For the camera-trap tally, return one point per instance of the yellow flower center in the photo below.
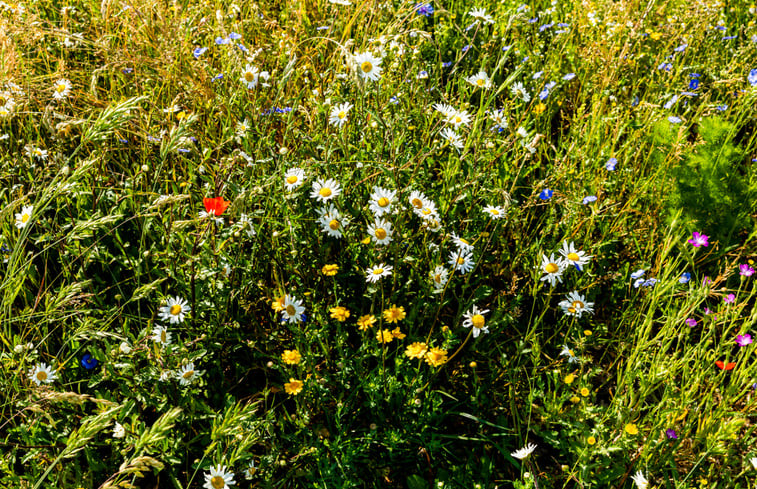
(248, 77)
(383, 202)
(438, 278)
(573, 257)
(458, 119)
(578, 305)
(217, 482)
(426, 211)
(163, 336)
(378, 271)
(478, 321)
(188, 375)
(480, 82)
(367, 67)
(417, 203)
(42, 376)
(551, 268)
(24, 218)
(572, 310)
(342, 114)
(291, 310)
(175, 310)
(292, 179)
(325, 192)
(60, 88)
(334, 224)
(380, 233)
(494, 212)
(460, 260)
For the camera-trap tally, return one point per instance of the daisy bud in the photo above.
(145, 168)
(283, 150)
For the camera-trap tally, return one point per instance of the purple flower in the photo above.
(745, 270)
(693, 84)
(691, 322)
(698, 240)
(671, 434)
(221, 40)
(681, 48)
(569, 76)
(424, 9)
(752, 78)
(721, 108)
(546, 194)
(198, 52)
(588, 199)
(610, 165)
(744, 339)
(649, 282)
(685, 277)
(234, 36)
(674, 119)
(665, 66)
(638, 274)
(729, 299)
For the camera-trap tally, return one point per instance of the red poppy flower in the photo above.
(725, 366)
(215, 206)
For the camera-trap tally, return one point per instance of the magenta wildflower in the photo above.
(698, 240)
(744, 339)
(671, 434)
(691, 322)
(745, 270)
(729, 299)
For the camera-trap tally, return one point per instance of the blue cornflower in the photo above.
(665, 66)
(681, 48)
(720, 28)
(88, 361)
(394, 99)
(563, 24)
(546, 194)
(221, 40)
(635, 101)
(126, 71)
(649, 282)
(322, 28)
(752, 78)
(722, 108)
(670, 102)
(610, 165)
(198, 52)
(685, 277)
(588, 199)
(569, 76)
(534, 20)
(537, 75)
(544, 27)
(243, 48)
(217, 77)
(689, 94)
(424, 9)
(466, 47)
(234, 36)
(694, 75)
(507, 48)
(638, 274)
(728, 38)
(674, 119)
(446, 64)
(693, 83)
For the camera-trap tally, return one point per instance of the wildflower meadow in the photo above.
(383, 244)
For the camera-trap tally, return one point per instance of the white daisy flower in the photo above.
(293, 309)
(374, 273)
(640, 481)
(381, 201)
(753, 461)
(187, 374)
(499, 118)
(36, 152)
(567, 352)
(338, 114)
(461, 261)
(571, 256)
(495, 212)
(434, 224)
(246, 224)
(249, 472)
(251, 76)
(381, 231)
(452, 138)
(218, 478)
(439, 277)
(293, 178)
(552, 268)
(461, 244)
(61, 89)
(42, 374)
(427, 212)
(175, 310)
(417, 200)
(325, 190)
(367, 65)
(475, 317)
(480, 80)
(481, 16)
(23, 217)
(332, 222)
(524, 452)
(459, 118)
(575, 305)
(161, 335)
(118, 430)
(519, 91)
(447, 111)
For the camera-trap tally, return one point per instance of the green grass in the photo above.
(150, 129)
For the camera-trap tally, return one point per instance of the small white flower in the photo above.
(552, 269)
(481, 16)
(452, 138)
(524, 452)
(640, 481)
(374, 273)
(574, 257)
(161, 335)
(575, 305)
(381, 201)
(338, 114)
(480, 80)
(325, 190)
(294, 178)
(118, 430)
(293, 309)
(331, 221)
(475, 318)
(42, 374)
(174, 310)
(495, 212)
(458, 118)
(187, 374)
(519, 91)
(461, 261)
(367, 65)
(381, 231)
(439, 277)
(22, 218)
(567, 352)
(218, 478)
(61, 89)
